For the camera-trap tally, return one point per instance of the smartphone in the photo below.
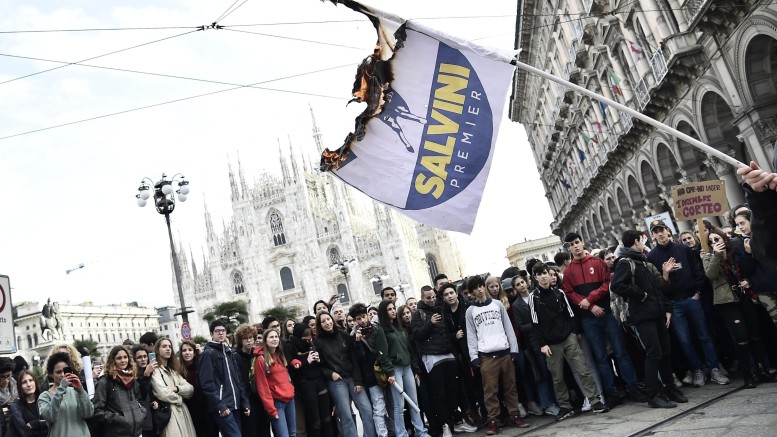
(151, 357)
(67, 370)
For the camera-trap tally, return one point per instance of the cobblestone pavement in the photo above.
(751, 413)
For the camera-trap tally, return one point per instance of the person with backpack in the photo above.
(274, 385)
(117, 400)
(308, 380)
(258, 423)
(644, 307)
(220, 381)
(365, 353)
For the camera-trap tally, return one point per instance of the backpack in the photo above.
(618, 304)
(251, 373)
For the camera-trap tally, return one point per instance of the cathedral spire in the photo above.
(232, 184)
(208, 221)
(294, 169)
(241, 174)
(284, 166)
(316, 132)
(194, 264)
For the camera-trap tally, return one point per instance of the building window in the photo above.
(99, 338)
(276, 227)
(237, 282)
(35, 338)
(431, 261)
(342, 293)
(377, 287)
(287, 279)
(334, 256)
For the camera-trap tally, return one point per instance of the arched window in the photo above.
(431, 262)
(276, 227)
(237, 283)
(35, 339)
(29, 341)
(287, 279)
(334, 256)
(342, 293)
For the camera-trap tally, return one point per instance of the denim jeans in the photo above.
(342, 392)
(379, 410)
(406, 382)
(229, 426)
(599, 331)
(286, 423)
(687, 314)
(544, 387)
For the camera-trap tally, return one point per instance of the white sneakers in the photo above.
(446, 431)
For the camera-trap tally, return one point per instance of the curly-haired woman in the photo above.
(117, 399)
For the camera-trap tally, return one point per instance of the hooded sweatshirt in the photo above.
(489, 331)
(272, 382)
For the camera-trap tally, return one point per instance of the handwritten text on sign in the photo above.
(699, 199)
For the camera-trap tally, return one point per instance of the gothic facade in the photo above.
(288, 230)
(705, 68)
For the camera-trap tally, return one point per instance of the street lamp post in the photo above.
(343, 266)
(164, 201)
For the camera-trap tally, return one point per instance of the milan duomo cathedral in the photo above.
(288, 231)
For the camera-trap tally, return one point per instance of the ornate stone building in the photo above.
(541, 248)
(108, 325)
(285, 234)
(707, 68)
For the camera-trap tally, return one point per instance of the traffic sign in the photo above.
(186, 331)
(7, 339)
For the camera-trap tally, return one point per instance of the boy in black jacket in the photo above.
(553, 335)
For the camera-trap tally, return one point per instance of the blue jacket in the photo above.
(686, 281)
(219, 378)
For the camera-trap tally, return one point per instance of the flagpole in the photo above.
(674, 132)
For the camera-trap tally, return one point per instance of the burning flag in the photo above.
(425, 141)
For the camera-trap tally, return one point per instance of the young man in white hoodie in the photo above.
(492, 347)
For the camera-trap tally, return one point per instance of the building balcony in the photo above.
(693, 10)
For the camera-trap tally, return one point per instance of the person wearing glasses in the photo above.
(733, 300)
(219, 376)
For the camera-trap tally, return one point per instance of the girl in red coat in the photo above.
(274, 385)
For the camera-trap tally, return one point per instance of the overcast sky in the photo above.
(68, 192)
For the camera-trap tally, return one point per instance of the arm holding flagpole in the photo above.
(657, 124)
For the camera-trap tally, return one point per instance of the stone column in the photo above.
(724, 171)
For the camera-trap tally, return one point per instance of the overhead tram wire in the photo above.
(98, 29)
(124, 70)
(224, 17)
(294, 39)
(103, 55)
(253, 85)
(227, 10)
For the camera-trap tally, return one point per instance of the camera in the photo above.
(67, 370)
(151, 357)
(367, 330)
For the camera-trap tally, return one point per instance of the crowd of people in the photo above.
(587, 331)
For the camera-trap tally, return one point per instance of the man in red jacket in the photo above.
(587, 286)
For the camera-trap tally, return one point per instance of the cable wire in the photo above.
(294, 39)
(233, 10)
(227, 10)
(100, 56)
(253, 85)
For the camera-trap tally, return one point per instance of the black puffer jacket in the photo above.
(299, 349)
(457, 322)
(763, 207)
(647, 279)
(118, 407)
(431, 338)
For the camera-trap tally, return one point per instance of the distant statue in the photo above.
(50, 321)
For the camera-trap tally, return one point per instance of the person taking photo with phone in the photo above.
(65, 406)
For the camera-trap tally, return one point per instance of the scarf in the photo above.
(126, 377)
(8, 394)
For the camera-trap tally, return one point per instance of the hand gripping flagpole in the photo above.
(407, 398)
(674, 132)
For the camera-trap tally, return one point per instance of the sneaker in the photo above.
(722, 369)
(522, 411)
(586, 405)
(599, 408)
(564, 413)
(464, 427)
(518, 422)
(493, 428)
(638, 395)
(718, 377)
(675, 395)
(677, 382)
(446, 431)
(534, 409)
(475, 418)
(688, 380)
(698, 378)
(552, 410)
(661, 401)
